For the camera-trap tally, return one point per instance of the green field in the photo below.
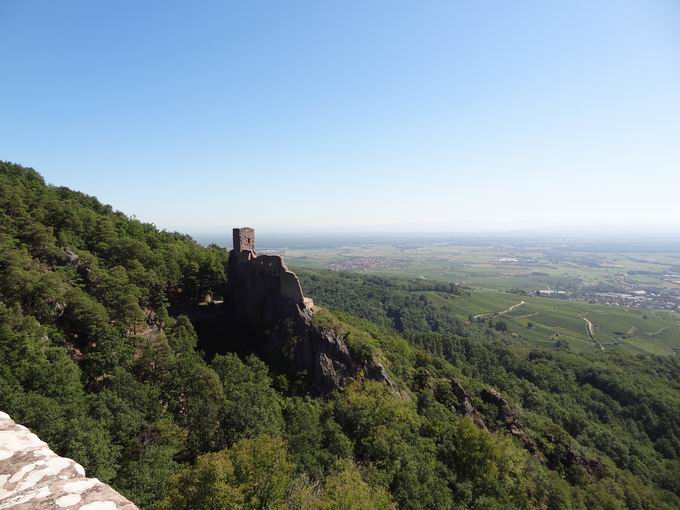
(636, 331)
(500, 275)
(502, 267)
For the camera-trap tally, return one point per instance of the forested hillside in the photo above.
(98, 360)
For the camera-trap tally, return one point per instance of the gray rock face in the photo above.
(34, 477)
(325, 357)
(509, 419)
(465, 406)
(330, 360)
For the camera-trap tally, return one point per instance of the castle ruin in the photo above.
(261, 284)
(268, 314)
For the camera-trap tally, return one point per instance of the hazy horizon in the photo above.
(268, 238)
(480, 117)
(462, 227)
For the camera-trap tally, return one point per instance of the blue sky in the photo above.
(202, 115)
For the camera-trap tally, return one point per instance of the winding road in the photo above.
(590, 327)
(496, 314)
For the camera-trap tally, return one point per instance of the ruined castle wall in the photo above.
(266, 276)
(289, 285)
(261, 290)
(291, 288)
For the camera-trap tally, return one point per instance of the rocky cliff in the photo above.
(33, 477)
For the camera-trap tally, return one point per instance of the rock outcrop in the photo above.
(592, 466)
(266, 304)
(465, 406)
(452, 394)
(320, 355)
(508, 419)
(34, 477)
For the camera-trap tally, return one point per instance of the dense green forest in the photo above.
(98, 356)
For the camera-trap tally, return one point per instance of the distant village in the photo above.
(654, 298)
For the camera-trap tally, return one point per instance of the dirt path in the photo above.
(496, 314)
(590, 328)
(513, 307)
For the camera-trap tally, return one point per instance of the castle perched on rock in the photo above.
(267, 313)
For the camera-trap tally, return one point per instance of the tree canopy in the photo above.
(99, 357)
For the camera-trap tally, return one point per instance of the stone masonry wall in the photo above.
(34, 477)
(244, 239)
(261, 287)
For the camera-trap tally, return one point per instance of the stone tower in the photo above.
(244, 239)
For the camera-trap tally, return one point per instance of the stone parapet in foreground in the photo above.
(33, 477)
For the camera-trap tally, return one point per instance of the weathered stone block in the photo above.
(33, 476)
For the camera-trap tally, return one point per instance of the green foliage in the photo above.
(78, 282)
(99, 358)
(315, 440)
(252, 474)
(251, 406)
(262, 471)
(207, 485)
(256, 474)
(399, 304)
(345, 489)
(196, 399)
(610, 407)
